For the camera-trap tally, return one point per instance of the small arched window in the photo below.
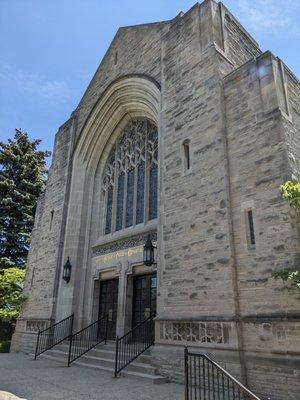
(130, 177)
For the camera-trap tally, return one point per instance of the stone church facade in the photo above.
(185, 132)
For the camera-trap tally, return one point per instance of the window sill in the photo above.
(126, 233)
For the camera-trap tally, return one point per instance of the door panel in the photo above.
(144, 298)
(109, 305)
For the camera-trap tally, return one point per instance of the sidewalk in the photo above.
(47, 380)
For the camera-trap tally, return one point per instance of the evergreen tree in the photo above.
(22, 180)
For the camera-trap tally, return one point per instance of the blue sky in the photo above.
(50, 49)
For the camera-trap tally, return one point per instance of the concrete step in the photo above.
(102, 357)
(52, 357)
(104, 351)
(107, 353)
(109, 346)
(135, 366)
(58, 354)
(139, 365)
(147, 377)
(124, 373)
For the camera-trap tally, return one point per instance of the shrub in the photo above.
(4, 346)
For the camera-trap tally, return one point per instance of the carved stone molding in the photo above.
(128, 268)
(116, 270)
(119, 268)
(124, 243)
(200, 333)
(36, 325)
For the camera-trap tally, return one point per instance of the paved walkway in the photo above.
(48, 380)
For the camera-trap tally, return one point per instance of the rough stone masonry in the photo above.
(228, 123)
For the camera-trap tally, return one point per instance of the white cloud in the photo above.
(33, 84)
(268, 15)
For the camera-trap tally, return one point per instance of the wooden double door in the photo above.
(144, 298)
(109, 305)
(143, 301)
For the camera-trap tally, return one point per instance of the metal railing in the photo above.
(53, 335)
(207, 380)
(87, 338)
(134, 343)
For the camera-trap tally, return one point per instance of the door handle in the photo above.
(110, 314)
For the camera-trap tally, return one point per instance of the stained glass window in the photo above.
(153, 192)
(131, 170)
(130, 197)
(140, 193)
(109, 203)
(120, 200)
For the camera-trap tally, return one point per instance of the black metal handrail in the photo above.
(134, 343)
(87, 338)
(205, 380)
(53, 335)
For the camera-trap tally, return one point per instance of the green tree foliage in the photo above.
(11, 285)
(289, 275)
(291, 193)
(22, 180)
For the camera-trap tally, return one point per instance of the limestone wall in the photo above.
(134, 50)
(291, 119)
(196, 288)
(258, 162)
(45, 248)
(195, 277)
(239, 45)
(258, 166)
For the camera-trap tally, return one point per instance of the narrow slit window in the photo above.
(186, 152)
(51, 219)
(251, 237)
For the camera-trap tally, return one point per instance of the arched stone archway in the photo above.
(127, 98)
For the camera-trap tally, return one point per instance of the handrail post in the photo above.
(116, 359)
(186, 374)
(106, 329)
(37, 345)
(70, 349)
(71, 326)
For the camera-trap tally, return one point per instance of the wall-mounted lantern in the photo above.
(148, 256)
(67, 271)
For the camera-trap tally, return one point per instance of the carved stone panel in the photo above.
(195, 332)
(35, 325)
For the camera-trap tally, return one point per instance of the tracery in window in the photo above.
(131, 176)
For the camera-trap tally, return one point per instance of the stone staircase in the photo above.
(102, 357)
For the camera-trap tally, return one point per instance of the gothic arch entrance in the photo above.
(125, 100)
